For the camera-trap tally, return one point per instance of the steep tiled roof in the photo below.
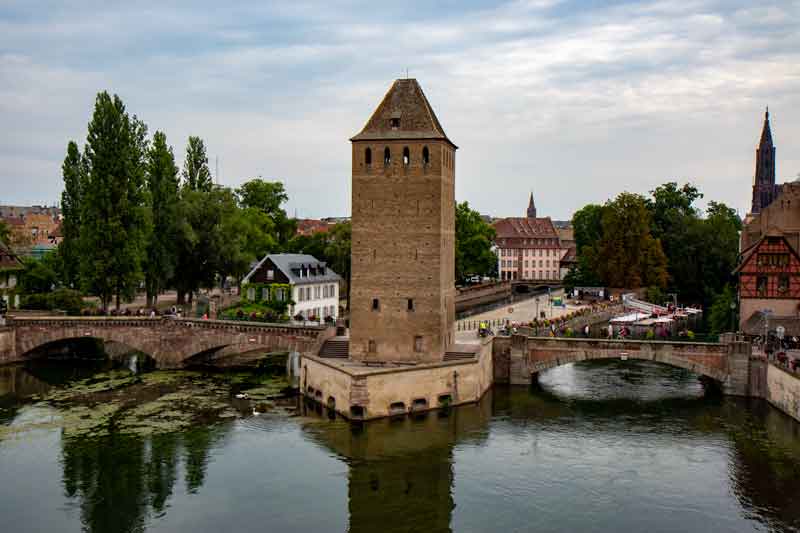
(292, 264)
(571, 256)
(525, 227)
(406, 106)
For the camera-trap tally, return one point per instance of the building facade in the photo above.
(10, 268)
(403, 223)
(769, 268)
(529, 248)
(309, 287)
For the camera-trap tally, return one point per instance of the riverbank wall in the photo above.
(362, 392)
(480, 295)
(8, 343)
(783, 390)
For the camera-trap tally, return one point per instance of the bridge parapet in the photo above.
(531, 355)
(170, 341)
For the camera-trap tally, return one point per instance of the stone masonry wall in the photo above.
(783, 391)
(402, 249)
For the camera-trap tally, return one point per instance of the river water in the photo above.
(599, 446)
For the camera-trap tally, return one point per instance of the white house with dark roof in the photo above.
(313, 285)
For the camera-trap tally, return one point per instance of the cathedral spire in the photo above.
(531, 207)
(764, 188)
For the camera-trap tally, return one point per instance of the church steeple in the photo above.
(531, 208)
(764, 188)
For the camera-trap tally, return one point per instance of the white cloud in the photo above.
(573, 103)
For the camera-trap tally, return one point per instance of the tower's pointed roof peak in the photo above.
(404, 113)
(766, 132)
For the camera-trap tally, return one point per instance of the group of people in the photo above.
(173, 311)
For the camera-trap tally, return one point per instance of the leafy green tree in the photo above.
(627, 255)
(112, 217)
(337, 251)
(5, 232)
(722, 316)
(269, 197)
(73, 172)
(246, 237)
(587, 225)
(473, 244)
(196, 175)
(162, 186)
(266, 196)
(209, 243)
(40, 276)
(313, 244)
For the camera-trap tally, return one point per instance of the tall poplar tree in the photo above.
(196, 175)
(71, 206)
(113, 221)
(162, 186)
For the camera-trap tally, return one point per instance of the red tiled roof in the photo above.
(571, 256)
(525, 227)
(309, 226)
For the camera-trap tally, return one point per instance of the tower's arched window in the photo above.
(406, 156)
(368, 156)
(426, 156)
(387, 156)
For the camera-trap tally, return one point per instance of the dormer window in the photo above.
(395, 123)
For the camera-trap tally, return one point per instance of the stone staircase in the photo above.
(463, 352)
(336, 348)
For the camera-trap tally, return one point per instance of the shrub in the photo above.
(67, 300)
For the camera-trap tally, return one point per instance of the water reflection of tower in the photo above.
(401, 471)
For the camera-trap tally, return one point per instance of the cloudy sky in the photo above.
(573, 100)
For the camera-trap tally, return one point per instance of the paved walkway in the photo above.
(524, 311)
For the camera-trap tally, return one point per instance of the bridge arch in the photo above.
(527, 356)
(665, 359)
(29, 345)
(170, 342)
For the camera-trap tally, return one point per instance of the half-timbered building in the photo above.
(769, 279)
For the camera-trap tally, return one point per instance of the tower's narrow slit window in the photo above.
(418, 343)
(410, 304)
(376, 304)
(387, 156)
(426, 156)
(368, 156)
(406, 156)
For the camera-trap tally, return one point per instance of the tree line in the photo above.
(133, 219)
(662, 242)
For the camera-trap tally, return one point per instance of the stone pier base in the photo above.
(363, 392)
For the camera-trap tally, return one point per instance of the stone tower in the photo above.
(764, 188)
(403, 257)
(531, 208)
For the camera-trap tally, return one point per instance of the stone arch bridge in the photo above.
(518, 359)
(171, 342)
